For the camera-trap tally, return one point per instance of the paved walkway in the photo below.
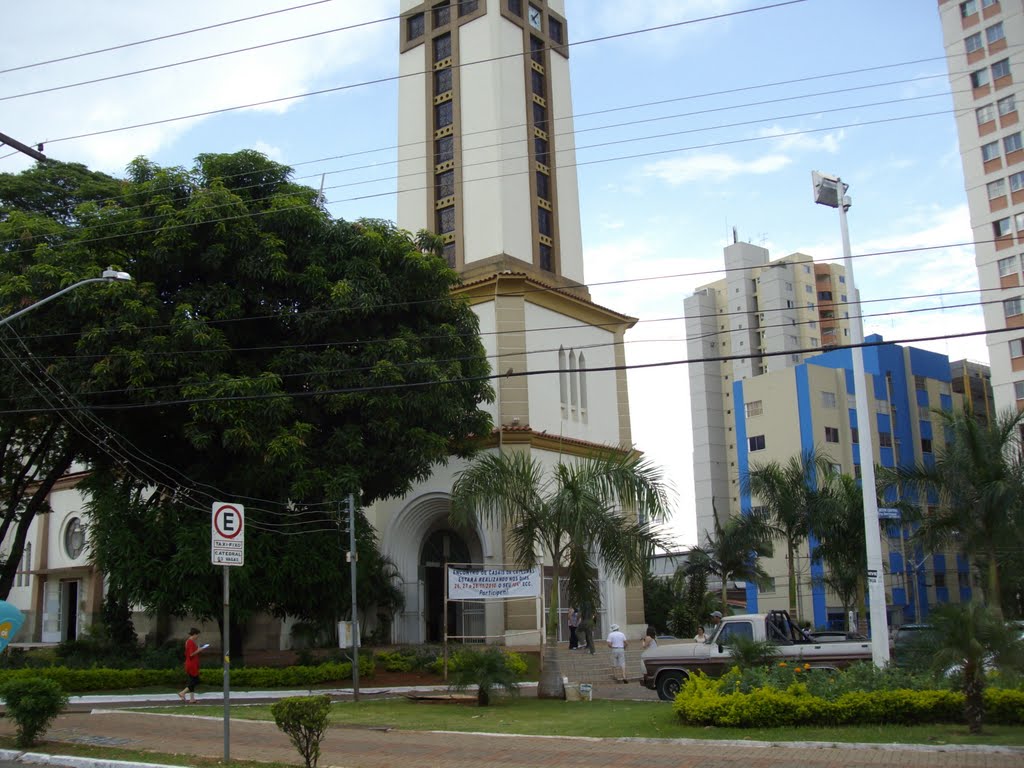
(382, 748)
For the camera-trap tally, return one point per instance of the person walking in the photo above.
(574, 623)
(618, 643)
(587, 627)
(650, 637)
(192, 651)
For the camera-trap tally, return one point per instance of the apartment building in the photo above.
(984, 42)
(761, 318)
(811, 405)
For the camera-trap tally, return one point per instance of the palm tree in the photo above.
(979, 479)
(733, 551)
(968, 638)
(838, 524)
(603, 508)
(486, 669)
(788, 494)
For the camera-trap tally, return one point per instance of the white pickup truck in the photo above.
(667, 665)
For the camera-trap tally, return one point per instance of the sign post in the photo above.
(227, 548)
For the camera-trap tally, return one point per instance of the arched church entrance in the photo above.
(442, 547)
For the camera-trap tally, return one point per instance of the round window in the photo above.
(74, 538)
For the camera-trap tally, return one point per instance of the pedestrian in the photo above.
(700, 637)
(192, 651)
(574, 623)
(587, 628)
(716, 619)
(650, 637)
(618, 643)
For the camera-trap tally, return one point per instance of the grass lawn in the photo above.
(609, 719)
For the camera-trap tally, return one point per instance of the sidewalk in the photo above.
(384, 748)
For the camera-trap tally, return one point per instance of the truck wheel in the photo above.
(669, 685)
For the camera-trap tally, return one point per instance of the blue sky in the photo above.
(659, 208)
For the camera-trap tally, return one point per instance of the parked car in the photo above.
(907, 642)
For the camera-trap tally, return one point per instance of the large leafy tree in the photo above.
(838, 523)
(978, 480)
(265, 354)
(733, 552)
(599, 510)
(788, 493)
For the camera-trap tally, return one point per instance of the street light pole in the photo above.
(109, 276)
(831, 191)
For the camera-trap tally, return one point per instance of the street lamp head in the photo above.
(826, 190)
(115, 276)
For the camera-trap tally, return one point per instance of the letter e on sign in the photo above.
(227, 534)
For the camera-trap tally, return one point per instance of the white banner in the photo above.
(492, 585)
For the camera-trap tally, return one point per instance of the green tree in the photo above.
(965, 639)
(601, 509)
(838, 524)
(978, 480)
(487, 670)
(789, 495)
(265, 354)
(733, 552)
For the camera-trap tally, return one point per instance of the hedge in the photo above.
(99, 679)
(701, 702)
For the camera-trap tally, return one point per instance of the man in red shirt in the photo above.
(192, 651)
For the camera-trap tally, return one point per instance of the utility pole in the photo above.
(35, 154)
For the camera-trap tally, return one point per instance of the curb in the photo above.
(68, 761)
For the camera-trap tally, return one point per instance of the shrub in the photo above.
(487, 669)
(395, 661)
(33, 703)
(304, 719)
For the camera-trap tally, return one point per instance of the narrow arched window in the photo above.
(563, 377)
(573, 391)
(582, 366)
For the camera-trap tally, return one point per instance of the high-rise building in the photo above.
(984, 42)
(811, 406)
(761, 315)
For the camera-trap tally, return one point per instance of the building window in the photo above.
(540, 150)
(920, 382)
(831, 435)
(544, 251)
(1016, 181)
(444, 149)
(979, 78)
(74, 538)
(1017, 348)
(940, 579)
(449, 254)
(442, 81)
(1001, 69)
(543, 185)
(990, 151)
(516, 7)
(923, 413)
(926, 445)
(445, 185)
(767, 587)
(885, 439)
(415, 26)
(446, 220)
(988, 3)
(755, 443)
(985, 114)
(824, 295)
(969, 8)
(581, 370)
(540, 117)
(544, 221)
(963, 579)
(537, 50)
(467, 7)
(994, 33)
(754, 408)
(442, 46)
(996, 188)
(1007, 105)
(1013, 307)
(1001, 227)
(537, 82)
(828, 399)
(442, 14)
(24, 578)
(973, 42)
(1012, 143)
(555, 30)
(1018, 390)
(443, 115)
(572, 380)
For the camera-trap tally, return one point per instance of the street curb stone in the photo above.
(69, 761)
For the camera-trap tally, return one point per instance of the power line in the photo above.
(163, 37)
(396, 78)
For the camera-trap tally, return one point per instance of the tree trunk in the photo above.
(550, 684)
(974, 704)
(994, 588)
(794, 609)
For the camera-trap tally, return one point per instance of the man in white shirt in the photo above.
(618, 643)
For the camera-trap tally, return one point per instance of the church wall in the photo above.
(569, 227)
(414, 165)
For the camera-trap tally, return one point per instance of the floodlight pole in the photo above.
(872, 537)
(109, 276)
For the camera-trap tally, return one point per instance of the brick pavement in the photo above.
(381, 748)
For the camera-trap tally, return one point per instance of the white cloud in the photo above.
(712, 167)
(804, 142)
